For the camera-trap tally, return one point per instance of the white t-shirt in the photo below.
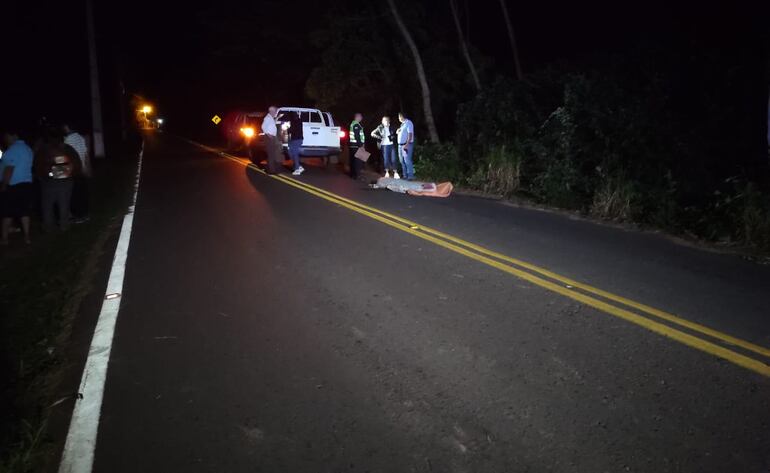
(268, 126)
(78, 143)
(386, 136)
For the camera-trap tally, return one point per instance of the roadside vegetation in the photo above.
(668, 133)
(41, 288)
(617, 141)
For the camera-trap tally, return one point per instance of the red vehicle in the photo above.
(241, 130)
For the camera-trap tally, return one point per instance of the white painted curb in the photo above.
(78, 455)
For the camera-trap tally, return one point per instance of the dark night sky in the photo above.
(161, 51)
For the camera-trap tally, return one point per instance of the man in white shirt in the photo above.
(405, 135)
(80, 202)
(272, 141)
(78, 143)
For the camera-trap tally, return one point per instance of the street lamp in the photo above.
(146, 110)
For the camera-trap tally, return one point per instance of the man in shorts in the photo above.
(16, 192)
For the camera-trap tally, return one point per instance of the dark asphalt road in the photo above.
(263, 329)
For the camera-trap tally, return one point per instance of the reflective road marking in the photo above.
(78, 454)
(697, 336)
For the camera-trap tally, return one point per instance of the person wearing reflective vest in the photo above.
(357, 140)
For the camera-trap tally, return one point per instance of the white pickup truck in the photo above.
(320, 137)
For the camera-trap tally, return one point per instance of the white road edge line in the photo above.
(78, 454)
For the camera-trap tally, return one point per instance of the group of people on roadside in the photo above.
(396, 145)
(273, 143)
(53, 172)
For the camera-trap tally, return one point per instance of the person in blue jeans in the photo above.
(296, 138)
(385, 138)
(405, 135)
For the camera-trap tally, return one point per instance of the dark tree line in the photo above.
(669, 130)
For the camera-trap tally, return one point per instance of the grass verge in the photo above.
(41, 288)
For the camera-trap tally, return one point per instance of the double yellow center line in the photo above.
(714, 342)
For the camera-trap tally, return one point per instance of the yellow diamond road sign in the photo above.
(216, 119)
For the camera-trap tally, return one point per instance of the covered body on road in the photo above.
(403, 186)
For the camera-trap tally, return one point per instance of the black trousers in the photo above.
(355, 163)
(80, 197)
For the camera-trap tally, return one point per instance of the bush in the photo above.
(615, 200)
(640, 138)
(753, 218)
(437, 162)
(502, 166)
(740, 214)
(497, 172)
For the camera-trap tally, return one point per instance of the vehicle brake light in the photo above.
(342, 134)
(248, 132)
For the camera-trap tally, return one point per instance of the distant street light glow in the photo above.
(160, 121)
(146, 109)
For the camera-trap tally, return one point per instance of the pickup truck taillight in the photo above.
(342, 133)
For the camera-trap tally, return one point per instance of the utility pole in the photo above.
(123, 126)
(97, 127)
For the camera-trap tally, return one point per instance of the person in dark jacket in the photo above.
(357, 140)
(296, 138)
(56, 165)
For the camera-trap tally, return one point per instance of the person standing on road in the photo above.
(406, 146)
(385, 139)
(272, 141)
(357, 141)
(16, 191)
(80, 194)
(55, 166)
(295, 141)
